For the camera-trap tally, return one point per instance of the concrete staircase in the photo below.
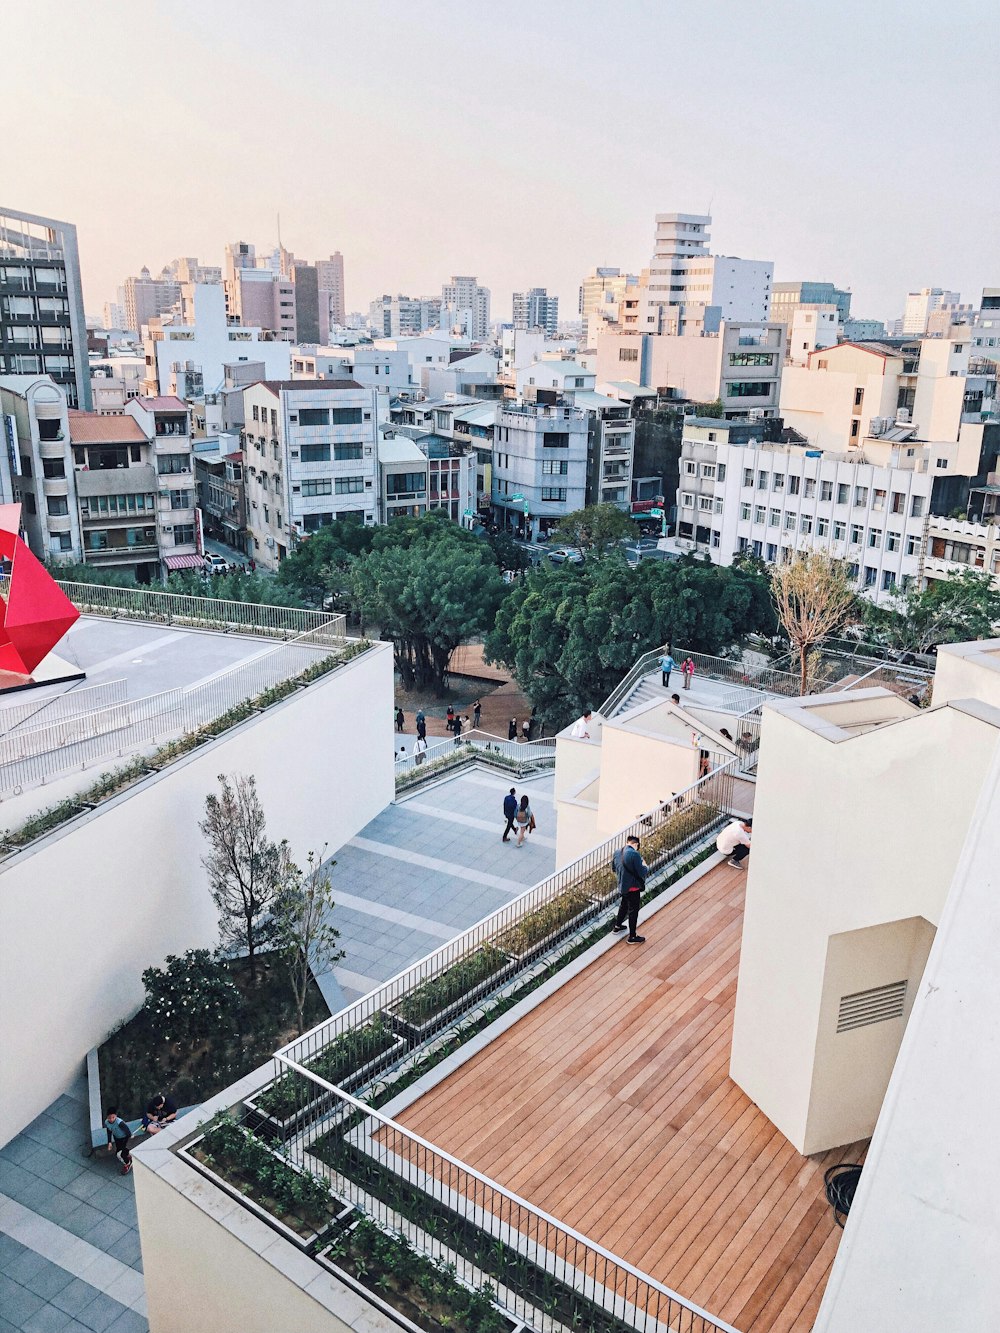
(646, 689)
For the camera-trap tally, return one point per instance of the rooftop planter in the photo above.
(431, 1003)
(537, 929)
(350, 1061)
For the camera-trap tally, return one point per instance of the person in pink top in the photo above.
(687, 667)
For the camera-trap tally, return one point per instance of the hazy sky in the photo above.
(521, 141)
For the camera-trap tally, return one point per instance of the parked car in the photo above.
(566, 555)
(215, 564)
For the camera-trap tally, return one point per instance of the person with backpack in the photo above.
(524, 819)
(119, 1134)
(632, 873)
(420, 749)
(421, 721)
(509, 811)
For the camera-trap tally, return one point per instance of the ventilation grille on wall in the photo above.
(871, 1006)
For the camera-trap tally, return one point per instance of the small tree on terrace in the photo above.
(303, 928)
(246, 870)
(813, 600)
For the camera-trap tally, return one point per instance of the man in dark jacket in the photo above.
(509, 811)
(632, 871)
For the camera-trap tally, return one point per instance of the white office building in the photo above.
(539, 466)
(309, 451)
(921, 305)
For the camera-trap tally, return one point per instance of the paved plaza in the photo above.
(418, 874)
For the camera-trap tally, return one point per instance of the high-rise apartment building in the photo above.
(330, 278)
(147, 298)
(469, 306)
(535, 309)
(309, 449)
(921, 305)
(786, 297)
(404, 316)
(43, 330)
(686, 289)
(305, 290)
(602, 290)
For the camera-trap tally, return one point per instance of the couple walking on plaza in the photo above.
(518, 815)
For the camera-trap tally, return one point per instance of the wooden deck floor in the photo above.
(610, 1107)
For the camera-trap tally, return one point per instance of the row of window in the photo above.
(327, 416)
(829, 490)
(320, 453)
(806, 525)
(869, 577)
(95, 505)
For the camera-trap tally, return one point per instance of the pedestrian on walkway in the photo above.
(420, 749)
(632, 873)
(421, 724)
(400, 719)
(734, 842)
(525, 820)
(526, 730)
(509, 811)
(118, 1137)
(512, 729)
(457, 728)
(667, 664)
(450, 719)
(675, 698)
(688, 669)
(402, 754)
(477, 712)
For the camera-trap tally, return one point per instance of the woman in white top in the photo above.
(523, 819)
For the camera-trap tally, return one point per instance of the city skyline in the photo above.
(522, 159)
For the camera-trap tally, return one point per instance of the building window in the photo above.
(62, 541)
(751, 358)
(314, 453)
(857, 532)
(759, 514)
(180, 499)
(871, 575)
(748, 389)
(53, 467)
(762, 481)
(708, 471)
(794, 485)
(810, 490)
(912, 544)
(554, 493)
(256, 412)
(875, 537)
(826, 490)
(350, 485)
(778, 481)
(171, 464)
(941, 463)
(705, 503)
(555, 467)
(690, 467)
(822, 527)
(687, 501)
(628, 354)
(317, 486)
(718, 504)
(843, 493)
(860, 496)
(748, 476)
(773, 518)
(878, 500)
(313, 522)
(898, 502)
(183, 534)
(888, 580)
(744, 511)
(789, 522)
(314, 416)
(772, 553)
(716, 539)
(805, 526)
(893, 541)
(839, 531)
(917, 506)
(56, 505)
(859, 397)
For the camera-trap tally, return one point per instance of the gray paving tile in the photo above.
(18, 1303)
(87, 1184)
(101, 1313)
(75, 1297)
(129, 1322)
(82, 1220)
(48, 1319)
(47, 1281)
(108, 1197)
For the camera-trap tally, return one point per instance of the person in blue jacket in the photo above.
(632, 872)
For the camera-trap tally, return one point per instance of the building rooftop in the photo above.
(610, 1107)
(92, 428)
(399, 449)
(278, 386)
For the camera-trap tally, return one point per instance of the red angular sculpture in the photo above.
(37, 613)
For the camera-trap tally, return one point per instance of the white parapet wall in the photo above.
(84, 910)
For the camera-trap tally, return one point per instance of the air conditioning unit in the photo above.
(756, 414)
(903, 416)
(269, 542)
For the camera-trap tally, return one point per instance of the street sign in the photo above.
(526, 511)
(470, 513)
(655, 513)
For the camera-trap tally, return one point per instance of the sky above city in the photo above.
(522, 142)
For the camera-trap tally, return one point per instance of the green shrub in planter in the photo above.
(344, 1056)
(433, 996)
(545, 920)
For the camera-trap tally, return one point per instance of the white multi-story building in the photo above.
(36, 464)
(535, 309)
(686, 289)
(404, 316)
(985, 332)
(166, 421)
(208, 343)
(741, 365)
(386, 369)
(603, 289)
(539, 465)
(868, 507)
(468, 307)
(309, 449)
(811, 328)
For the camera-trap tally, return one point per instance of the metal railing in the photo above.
(199, 612)
(547, 1274)
(737, 671)
(41, 711)
(522, 754)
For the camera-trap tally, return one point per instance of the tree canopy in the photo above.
(956, 609)
(594, 528)
(813, 600)
(570, 633)
(430, 585)
(321, 563)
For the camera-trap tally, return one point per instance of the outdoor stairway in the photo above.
(646, 689)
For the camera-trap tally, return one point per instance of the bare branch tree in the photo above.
(813, 599)
(304, 930)
(246, 870)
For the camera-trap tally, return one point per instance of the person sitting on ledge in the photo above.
(160, 1111)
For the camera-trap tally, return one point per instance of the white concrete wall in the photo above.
(640, 771)
(968, 671)
(919, 1250)
(84, 911)
(847, 835)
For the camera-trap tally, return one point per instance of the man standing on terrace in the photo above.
(632, 873)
